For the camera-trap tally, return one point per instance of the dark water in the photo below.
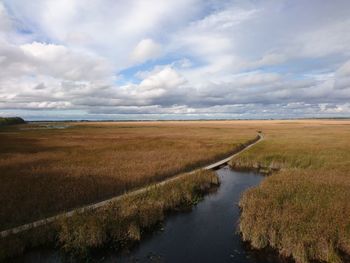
(206, 234)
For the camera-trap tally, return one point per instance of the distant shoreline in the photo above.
(188, 120)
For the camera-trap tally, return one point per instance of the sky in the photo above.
(174, 59)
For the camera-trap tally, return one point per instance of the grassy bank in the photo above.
(303, 208)
(46, 169)
(120, 224)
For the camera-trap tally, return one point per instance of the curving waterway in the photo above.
(206, 234)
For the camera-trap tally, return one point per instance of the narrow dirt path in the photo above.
(48, 220)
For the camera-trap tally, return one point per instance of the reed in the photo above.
(46, 168)
(119, 224)
(123, 222)
(303, 208)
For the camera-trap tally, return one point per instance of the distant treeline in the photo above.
(11, 121)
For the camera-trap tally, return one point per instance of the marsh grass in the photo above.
(303, 208)
(14, 245)
(123, 223)
(47, 171)
(118, 225)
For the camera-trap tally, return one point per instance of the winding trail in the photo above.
(48, 220)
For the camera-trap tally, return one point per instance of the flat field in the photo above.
(303, 210)
(46, 168)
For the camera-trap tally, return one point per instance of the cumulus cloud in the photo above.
(176, 58)
(110, 28)
(146, 49)
(61, 62)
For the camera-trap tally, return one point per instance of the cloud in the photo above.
(160, 87)
(146, 49)
(344, 70)
(109, 28)
(4, 19)
(324, 41)
(97, 59)
(60, 62)
(342, 80)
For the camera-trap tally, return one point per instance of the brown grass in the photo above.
(44, 171)
(123, 222)
(120, 224)
(303, 210)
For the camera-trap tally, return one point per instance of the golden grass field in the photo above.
(303, 210)
(44, 171)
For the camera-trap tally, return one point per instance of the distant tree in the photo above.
(11, 121)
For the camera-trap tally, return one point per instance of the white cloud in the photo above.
(146, 49)
(342, 78)
(327, 40)
(166, 78)
(344, 70)
(61, 62)
(4, 19)
(158, 85)
(110, 28)
(224, 20)
(205, 57)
